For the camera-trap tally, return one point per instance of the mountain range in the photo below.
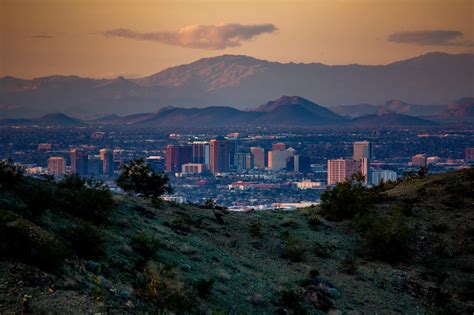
(286, 111)
(240, 82)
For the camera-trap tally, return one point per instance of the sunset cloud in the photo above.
(212, 37)
(431, 38)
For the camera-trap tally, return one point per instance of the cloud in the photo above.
(211, 37)
(431, 38)
(42, 36)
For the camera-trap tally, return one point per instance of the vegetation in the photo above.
(141, 179)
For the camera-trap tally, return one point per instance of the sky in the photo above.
(134, 38)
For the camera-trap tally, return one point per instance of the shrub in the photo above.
(345, 201)
(204, 287)
(388, 239)
(292, 299)
(145, 245)
(314, 220)
(139, 178)
(348, 265)
(294, 249)
(164, 289)
(256, 228)
(23, 241)
(86, 240)
(11, 175)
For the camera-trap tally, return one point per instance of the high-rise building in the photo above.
(107, 158)
(363, 150)
(193, 168)
(342, 169)
(418, 160)
(201, 152)
(277, 159)
(279, 146)
(301, 164)
(176, 156)
(258, 157)
(44, 147)
(95, 165)
(56, 165)
(469, 155)
(232, 151)
(157, 163)
(220, 159)
(79, 162)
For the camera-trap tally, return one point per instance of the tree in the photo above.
(139, 178)
(10, 174)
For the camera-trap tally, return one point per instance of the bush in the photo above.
(139, 178)
(388, 239)
(294, 249)
(21, 240)
(204, 287)
(164, 290)
(11, 175)
(145, 245)
(256, 228)
(345, 201)
(348, 265)
(314, 220)
(86, 240)
(292, 299)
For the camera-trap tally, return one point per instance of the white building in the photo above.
(277, 159)
(379, 176)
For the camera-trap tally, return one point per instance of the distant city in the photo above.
(241, 170)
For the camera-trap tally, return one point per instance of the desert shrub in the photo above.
(313, 273)
(314, 220)
(345, 201)
(322, 250)
(141, 179)
(256, 228)
(180, 224)
(294, 249)
(440, 228)
(164, 289)
(348, 265)
(145, 245)
(21, 240)
(11, 175)
(388, 239)
(292, 300)
(204, 287)
(87, 200)
(86, 240)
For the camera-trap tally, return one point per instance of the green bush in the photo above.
(345, 201)
(145, 245)
(204, 287)
(388, 239)
(348, 265)
(86, 240)
(23, 241)
(294, 249)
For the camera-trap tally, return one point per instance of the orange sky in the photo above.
(44, 37)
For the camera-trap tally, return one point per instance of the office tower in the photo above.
(379, 176)
(340, 170)
(56, 165)
(157, 163)
(280, 146)
(239, 160)
(95, 165)
(301, 164)
(258, 157)
(107, 158)
(418, 160)
(469, 155)
(176, 156)
(249, 161)
(277, 159)
(220, 159)
(363, 151)
(201, 152)
(79, 162)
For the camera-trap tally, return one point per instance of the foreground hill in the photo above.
(193, 259)
(240, 82)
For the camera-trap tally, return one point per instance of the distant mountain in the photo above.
(356, 110)
(461, 110)
(240, 82)
(384, 118)
(56, 119)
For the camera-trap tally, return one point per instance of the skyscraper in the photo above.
(220, 159)
(201, 152)
(279, 146)
(56, 165)
(258, 157)
(107, 159)
(277, 158)
(79, 162)
(342, 169)
(176, 156)
(469, 155)
(363, 151)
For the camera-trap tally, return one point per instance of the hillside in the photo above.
(241, 81)
(194, 259)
